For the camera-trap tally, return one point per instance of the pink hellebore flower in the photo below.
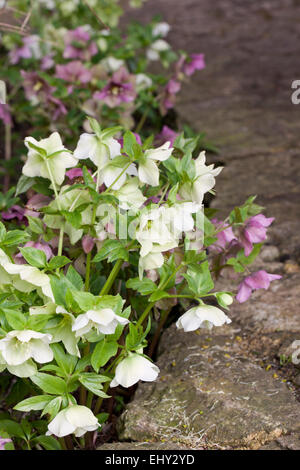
(73, 72)
(120, 89)
(255, 231)
(196, 63)
(258, 280)
(169, 95)
(78, 45)
(14, 212)
(167, 134)
(39, 246)
(3, 442)
(37, 90)
(225, 237)
(88, 244)
(30, 48)
(5, 115)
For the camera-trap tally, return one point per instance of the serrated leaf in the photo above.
(112, 250)
(34, 403)
(145, 286)
(34, 257)
(58, 262)
(49, 383)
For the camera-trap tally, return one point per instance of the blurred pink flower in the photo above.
(30, 48)
(167, 134)
(5, 115)
(73, 72)
(14, 212)
(78, 45)
(4, 441)
(196, 62)
(88, 244)
(258, 280)
(225, 237)
(39, 246)
(168, 96)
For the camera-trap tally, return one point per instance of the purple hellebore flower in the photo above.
(5, 115)
(258, 280)
(37, 90)
(76, 45)
(196, 63)
(37, 201)
(166, 135)
(255, 231)
(47, 62)
(225, 237)
(73, 72)
(75, 173)
(4, 441)
(169, 95)
(88, 244)
(39, 246)
(120, 89)
(14, 212)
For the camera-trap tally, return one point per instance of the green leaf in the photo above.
(52, 407)
(24, 183)
(144, 286)
(102, 354)
(135, 336)
(15, 237)
(16, 319)
(34, 403)
(157, 295)
(48, 442)
(94, 383)
(85, 300)
(58, 262)
(66, 362)
(74, 218)
(49, 383)
(199, 279)
(36, 225)
(74, 277)
(2, 232)
(39, 150)
(34, 257)
(112, 250)
(12, 428)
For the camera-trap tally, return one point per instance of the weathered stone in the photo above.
(284, 443)
(143, 446)
(209, 394)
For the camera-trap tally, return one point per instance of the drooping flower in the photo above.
(55, 156)
(148, 171)
(258, 280)
(130, 196)
(203, 181)
(76, 419)
(120, 89)
(19, 347)
(74, 72)
(132, 369)
(14, 212)
(104, 320)
(196, 62)
(203, 316)
(100, 151)
(225, 237)
(78, 44)
(88, 243)
(255, 231)
(41, 245)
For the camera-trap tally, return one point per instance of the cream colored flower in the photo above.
(203, 316)
(132, 369)
(75, 419)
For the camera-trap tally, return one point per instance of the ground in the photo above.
(234, 388)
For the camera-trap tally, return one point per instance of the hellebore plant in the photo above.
(115, 236)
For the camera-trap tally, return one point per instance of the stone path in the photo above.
(228, 389)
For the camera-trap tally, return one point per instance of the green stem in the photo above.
(142, 121)
(88, 271)
(111, 278)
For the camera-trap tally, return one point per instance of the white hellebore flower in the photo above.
(203, 182)
(75, 419)
(104, 320)
(161, 29)
(142, 81)
(130, 196)
(53, 158)
(148, 171)
(18, 347)
(100, 151)
(111, 64)
(25, 278)
(158, 46)
(132, 369)
(203, 316)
